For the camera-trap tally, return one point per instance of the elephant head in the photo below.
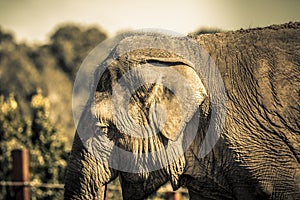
(156, 109)
(143, 99)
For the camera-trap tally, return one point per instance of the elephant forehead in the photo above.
(182, 80)
(153, 54)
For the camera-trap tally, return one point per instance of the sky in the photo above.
(35, 20)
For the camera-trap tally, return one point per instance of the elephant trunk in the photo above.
(85, 177)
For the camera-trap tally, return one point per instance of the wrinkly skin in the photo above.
(258, 153)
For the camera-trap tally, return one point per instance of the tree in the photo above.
(70, 44)
(24, 124)
(25, 67)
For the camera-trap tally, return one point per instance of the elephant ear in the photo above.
(188, 95)
(170, 95)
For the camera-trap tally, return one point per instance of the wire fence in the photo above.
(31, 184)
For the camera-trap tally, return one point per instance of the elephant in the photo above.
(253, 150)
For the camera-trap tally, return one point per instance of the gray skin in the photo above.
(258, 153)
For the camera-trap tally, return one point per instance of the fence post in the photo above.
(21, 173)
(173, 196)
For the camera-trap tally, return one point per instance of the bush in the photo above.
(47, 150)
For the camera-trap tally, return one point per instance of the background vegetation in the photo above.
(35, 103)
(47, 148)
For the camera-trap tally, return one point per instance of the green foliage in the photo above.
(70, 45)
(47, 149)
(13, 133)
(29, 124)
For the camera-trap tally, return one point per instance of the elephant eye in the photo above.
(104, 83)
